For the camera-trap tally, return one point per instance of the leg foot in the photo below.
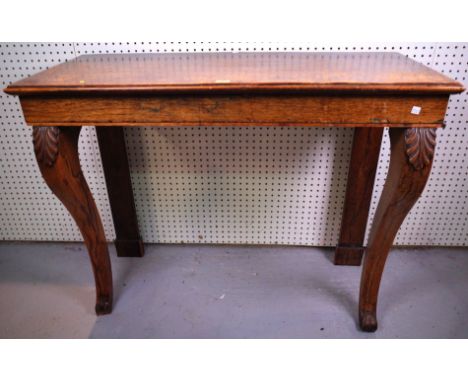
(410, 164)
(56, 151)
(103, 305)
(368, 321)
(348, 255)
(129, 248)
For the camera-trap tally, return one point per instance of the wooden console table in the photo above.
(364, 91)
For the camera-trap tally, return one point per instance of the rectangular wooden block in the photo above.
(348, 255)
(236, 110)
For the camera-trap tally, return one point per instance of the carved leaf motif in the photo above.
(46, 141)
(420, 146)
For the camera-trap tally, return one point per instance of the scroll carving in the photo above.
(46, 141)
(420, 146)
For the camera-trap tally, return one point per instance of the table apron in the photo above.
(236, 110)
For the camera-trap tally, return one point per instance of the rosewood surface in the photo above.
(365, 91)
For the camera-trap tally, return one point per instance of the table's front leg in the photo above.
(56, 151)
(411, 156)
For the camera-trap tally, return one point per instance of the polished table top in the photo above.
(264, 72)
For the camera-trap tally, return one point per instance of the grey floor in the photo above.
(193, 291)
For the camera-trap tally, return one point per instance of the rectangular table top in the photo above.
(266, 72)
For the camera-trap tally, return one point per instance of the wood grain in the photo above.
(403, 186)
(65, 178)
(361, 176)
(236, 110)
(119, 188)
(239, 72)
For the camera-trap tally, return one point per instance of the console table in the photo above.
(363, 91)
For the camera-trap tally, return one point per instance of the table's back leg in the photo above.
(410, 164)
(364, 160)
(56, 150)
(119, 187)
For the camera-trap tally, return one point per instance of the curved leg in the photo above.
(410, 164)
(57, 155)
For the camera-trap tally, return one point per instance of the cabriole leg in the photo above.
(56, 150)
(411, 156)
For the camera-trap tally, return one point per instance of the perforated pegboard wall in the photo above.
(237, 185)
